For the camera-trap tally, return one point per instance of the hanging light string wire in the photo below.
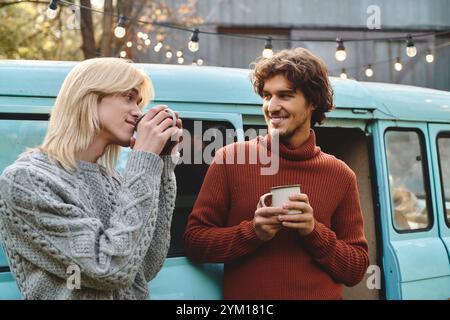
(436, 48)
(190, 30)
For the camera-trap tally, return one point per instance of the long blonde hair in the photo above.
(74, 119)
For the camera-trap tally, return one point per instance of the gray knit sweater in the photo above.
(114, 230)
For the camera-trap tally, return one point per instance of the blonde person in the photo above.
(71, 225)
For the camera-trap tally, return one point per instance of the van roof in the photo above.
(174, 83)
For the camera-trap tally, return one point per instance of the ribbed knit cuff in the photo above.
(317, 241)
(249, 234)
(170, 162)
(144, 162)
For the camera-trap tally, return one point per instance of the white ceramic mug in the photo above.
(280, 195)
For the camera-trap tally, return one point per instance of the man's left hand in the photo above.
(302, 222)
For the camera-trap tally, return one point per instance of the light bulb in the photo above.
(147, 42)
(199, 61)
(369, 71)
(129, 44)
(180, 60)
(268, 49)
(429, 57)
(193, 42)
(169, 54)
(398, 65)
(119, 31)
(340, 54)
(51, 14)
(52, 9)
(343, 74)
(193, 46)
(179, 53)
(267, 53)
(123, 54)
(411, 50)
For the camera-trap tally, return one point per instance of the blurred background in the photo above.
(402, 41)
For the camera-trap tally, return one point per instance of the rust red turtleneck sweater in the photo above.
(289, 266)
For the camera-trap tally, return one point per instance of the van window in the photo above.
(407, 171)
(17, 135)
(196, 155)
(443, 143)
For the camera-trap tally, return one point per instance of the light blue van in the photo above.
(396, 138)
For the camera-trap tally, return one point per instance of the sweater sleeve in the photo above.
(159, 246)
(342, 250)
(207, 238)
(54, 234)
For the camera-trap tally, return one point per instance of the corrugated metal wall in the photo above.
(326, 18)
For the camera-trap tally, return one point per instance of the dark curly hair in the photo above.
(305, 71)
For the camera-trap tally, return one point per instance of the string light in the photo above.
(199, 61)
(398, 65)
(123, 54)
(343, 74)
(411, 50)
(429, 57)
(180, 60)
(52, 9)
(129, 44)
(158, 47)
(193, 43)
(268, 49)
(179, 53)
(147, 42)
(340, 54)
(369, 71)
(119, 31)
(169, 54)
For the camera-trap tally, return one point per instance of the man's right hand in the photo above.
(266, 223)
(154, 130)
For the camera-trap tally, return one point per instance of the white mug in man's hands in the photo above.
(280, 195)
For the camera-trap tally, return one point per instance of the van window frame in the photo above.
(445, 135)
(179, 252)
(20, 116)
(426, 171)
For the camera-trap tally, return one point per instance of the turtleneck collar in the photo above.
(306, 151)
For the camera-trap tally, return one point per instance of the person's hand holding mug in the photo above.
(171, 146)
(303, 220)
(266, 223)
(297, 214)
(155, 129)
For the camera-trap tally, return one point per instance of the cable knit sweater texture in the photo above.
(220, 227)
(115, 229)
